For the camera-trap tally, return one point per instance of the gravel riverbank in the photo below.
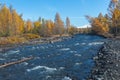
(107, 62)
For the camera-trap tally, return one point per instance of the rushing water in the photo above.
(70, 59)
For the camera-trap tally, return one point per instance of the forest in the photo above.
(14, 29)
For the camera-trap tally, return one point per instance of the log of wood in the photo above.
(16, 62)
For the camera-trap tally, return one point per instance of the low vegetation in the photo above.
(17, 39)
(12, 40)
(30, 36)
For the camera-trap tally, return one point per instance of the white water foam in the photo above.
(12, 52)
(61, 68)
(25, 63)
(95, 43)
(65, 49)
(78, 63)
(79, 55)
(83, 43)
(73, 51)
(77, 44)
(66, 78)
(33, 48)
(47, 77)
(37, 47)
(17, 51)
(42, 67)
(2, 59)
(42, 47)
(59, 45)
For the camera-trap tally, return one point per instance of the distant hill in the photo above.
(85, 26)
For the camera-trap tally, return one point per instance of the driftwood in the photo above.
(16, 62)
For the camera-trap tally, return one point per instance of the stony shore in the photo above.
(107, 62)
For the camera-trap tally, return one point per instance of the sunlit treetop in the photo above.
(115, 1)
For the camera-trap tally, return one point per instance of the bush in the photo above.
(17, 39)
(12, 40)
(30, 36)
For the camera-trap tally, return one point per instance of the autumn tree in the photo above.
(67, 24)
(43, 27)
(28, 26)
(37, 23)
(47, 28)
(42, 30)
(116, 21)
(104, 21)
(11, 23)
(99, 24)
(17, 23)
(36, 27)
(73, 30)
(114, 14)
(50, 26)
(59, 25)
(5, 20)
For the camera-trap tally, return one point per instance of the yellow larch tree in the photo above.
(29, 26)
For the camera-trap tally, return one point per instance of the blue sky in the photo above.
(74, 9)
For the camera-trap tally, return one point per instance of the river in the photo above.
(70, 59)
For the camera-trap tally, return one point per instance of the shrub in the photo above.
(30, 36)
(12, 40)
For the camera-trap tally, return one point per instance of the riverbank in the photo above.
(107, 62)
(6, 47)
